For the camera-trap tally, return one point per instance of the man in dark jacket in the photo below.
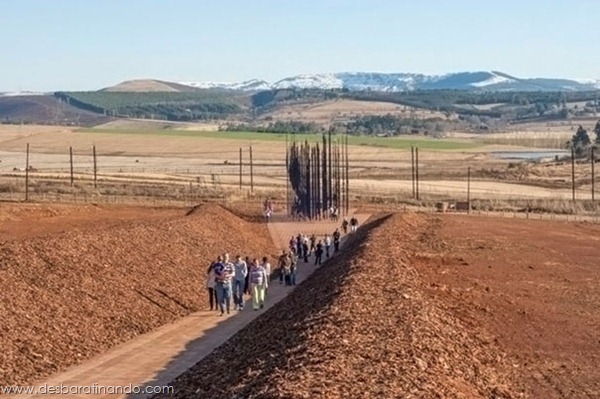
(336, 240)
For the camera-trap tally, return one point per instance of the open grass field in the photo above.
(385, 142)
(342, 109)
(172, 156)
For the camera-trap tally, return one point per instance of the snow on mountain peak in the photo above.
(398, 82)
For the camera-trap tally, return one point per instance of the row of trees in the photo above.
(581, 141)
(174, 106)
(277, 127)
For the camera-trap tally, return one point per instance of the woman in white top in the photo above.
(267, 266)
(258, 283)
(210, 285)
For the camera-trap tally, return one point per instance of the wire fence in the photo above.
(220, 175)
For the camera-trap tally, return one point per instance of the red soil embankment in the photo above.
(68, 296)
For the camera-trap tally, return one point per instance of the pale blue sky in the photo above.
(89, 44)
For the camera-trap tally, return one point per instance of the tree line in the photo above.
(173, 106)
(581, 141)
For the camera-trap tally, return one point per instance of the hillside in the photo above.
(45, 109)
(168, 105)
(148, 85)
(343, 110)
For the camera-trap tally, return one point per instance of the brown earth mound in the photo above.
(361, 327)
(534, 285)
(66, 297)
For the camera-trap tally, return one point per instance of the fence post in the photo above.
(240, 168)
(71, 163)
(27, 174)
(251, 172)
(417, 171)
(469, 189)
(573, 171)
(593, 174)
(412, 169)
(95, 168)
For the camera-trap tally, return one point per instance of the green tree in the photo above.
(580, 141)
(597, 131)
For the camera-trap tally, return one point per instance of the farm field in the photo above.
(174, 157)
(339, 110)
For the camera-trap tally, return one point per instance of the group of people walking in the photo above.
(227, 280)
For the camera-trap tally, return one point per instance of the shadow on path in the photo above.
(248, 355)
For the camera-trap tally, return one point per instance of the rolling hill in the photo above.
(149, 85)
(45, 109)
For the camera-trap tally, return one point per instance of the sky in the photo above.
(49, 45)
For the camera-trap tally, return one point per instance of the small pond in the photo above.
(530, 155)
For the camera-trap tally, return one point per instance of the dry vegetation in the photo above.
(181, 165)
(334, 111)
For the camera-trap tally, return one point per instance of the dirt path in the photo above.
(156, 358)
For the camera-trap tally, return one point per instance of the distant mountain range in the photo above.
(394, 82)
(364, 81)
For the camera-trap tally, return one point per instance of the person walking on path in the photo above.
(327, 245)
(353, 224)
(241, 271)
(210, 285)
(313, 242)
(267, 266)
(319, 253)
(247, 279)
(345, 226)
(224, 273)
(293, 243)
(259, 282)
(294, 268)
(336, 240)
(305, 248)
(299, 245)
(285, 268)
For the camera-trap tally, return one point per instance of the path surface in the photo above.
(156, 358)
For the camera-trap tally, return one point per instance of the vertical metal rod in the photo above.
(27, 174)
(324, 172)
(95, 167)
(287, 174)
(342, 176)
(251, 172)
(71, 163)
(318, 182)
(330, 201)
(241, 167)
(469, 189)
(417, 171)
(573, 171)
(337, 174)
(307, 155)
(347, 178)
(593, 174)
(412, 167)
